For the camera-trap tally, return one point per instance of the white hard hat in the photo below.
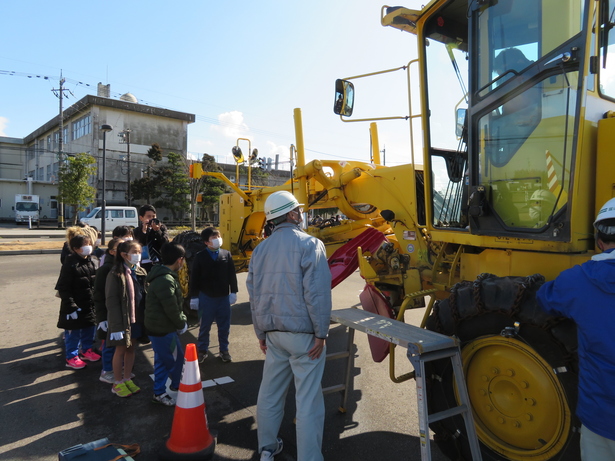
(279, 203)
(607, 212)
(543, 196)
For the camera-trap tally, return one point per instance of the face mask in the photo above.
(135, 259)
(128, 239)
(216, 243)
(97, 243)
(299, 219)
(86, 250)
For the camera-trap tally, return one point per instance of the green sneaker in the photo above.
(121, 390)
(132, 387)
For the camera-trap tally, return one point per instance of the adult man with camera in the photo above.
(151, 234)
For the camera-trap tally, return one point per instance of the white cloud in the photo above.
(272, 149)
(231, 125)
(3, 123)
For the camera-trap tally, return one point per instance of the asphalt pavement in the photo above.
(47, 407)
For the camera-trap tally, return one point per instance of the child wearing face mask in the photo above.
(77, 317)
(70, 233)
(123, 295)
(106, 375)
(213, 288)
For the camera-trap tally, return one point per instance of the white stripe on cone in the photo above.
(190, 399)
(191, 374)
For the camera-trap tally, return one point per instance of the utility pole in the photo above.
(60, 95)
(125, 138)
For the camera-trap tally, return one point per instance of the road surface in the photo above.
(47, 407)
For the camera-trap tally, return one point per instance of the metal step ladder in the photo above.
(423, 346)
(349, 356)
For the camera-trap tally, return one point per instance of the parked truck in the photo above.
(26, 208)
(524, 88)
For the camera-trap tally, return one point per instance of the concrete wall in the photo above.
(12, 151)
(9, 188)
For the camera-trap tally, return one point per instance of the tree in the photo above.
(168, 185)
(73, 187)
(207, 187)
(148, 187)
(172, 178)
(144, 189)
(259, 176)
(155, 152)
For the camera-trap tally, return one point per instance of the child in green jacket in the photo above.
(165, 320)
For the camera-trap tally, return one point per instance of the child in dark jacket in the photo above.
(165, 320)
(77, 317)
(106, 375)
(213, 289)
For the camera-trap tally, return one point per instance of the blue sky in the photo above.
(241, 67)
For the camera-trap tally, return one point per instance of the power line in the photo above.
(203, 118)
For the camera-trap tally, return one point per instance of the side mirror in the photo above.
(344, 98)
(461, 122)
(254, 156)
(237, 154)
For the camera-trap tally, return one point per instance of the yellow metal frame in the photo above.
(400, 316)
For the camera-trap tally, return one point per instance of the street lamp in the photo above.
(125, 138)
(105, 129)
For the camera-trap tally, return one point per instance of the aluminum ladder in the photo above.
(423, 346)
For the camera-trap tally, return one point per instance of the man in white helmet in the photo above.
(586, 294)
(289, 283)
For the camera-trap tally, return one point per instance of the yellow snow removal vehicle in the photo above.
(511, 119)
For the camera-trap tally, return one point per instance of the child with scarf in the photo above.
(123, 295)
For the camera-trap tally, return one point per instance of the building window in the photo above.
(48, 172)
(31, 174)
(49, 143)
(65, 135)
(82, 126)
(56, 139)
(40, 174)
(30, 153)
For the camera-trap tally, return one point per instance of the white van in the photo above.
(116, 216)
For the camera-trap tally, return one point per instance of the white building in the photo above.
(37, 155)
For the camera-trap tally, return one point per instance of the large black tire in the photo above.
(192, 243)
(520, 367)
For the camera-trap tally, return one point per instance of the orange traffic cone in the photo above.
(190, 438)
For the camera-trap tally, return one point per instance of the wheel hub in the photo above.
(519, 406)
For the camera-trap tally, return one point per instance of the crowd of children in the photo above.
(103, 296)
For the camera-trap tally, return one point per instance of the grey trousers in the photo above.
(594, 447)
(287, 357)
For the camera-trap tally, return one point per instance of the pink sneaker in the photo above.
(90, 356)
(75, 363)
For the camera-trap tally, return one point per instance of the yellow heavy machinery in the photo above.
(516, 159)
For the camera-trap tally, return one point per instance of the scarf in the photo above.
(131, 294)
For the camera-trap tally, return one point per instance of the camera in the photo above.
(154, 221)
